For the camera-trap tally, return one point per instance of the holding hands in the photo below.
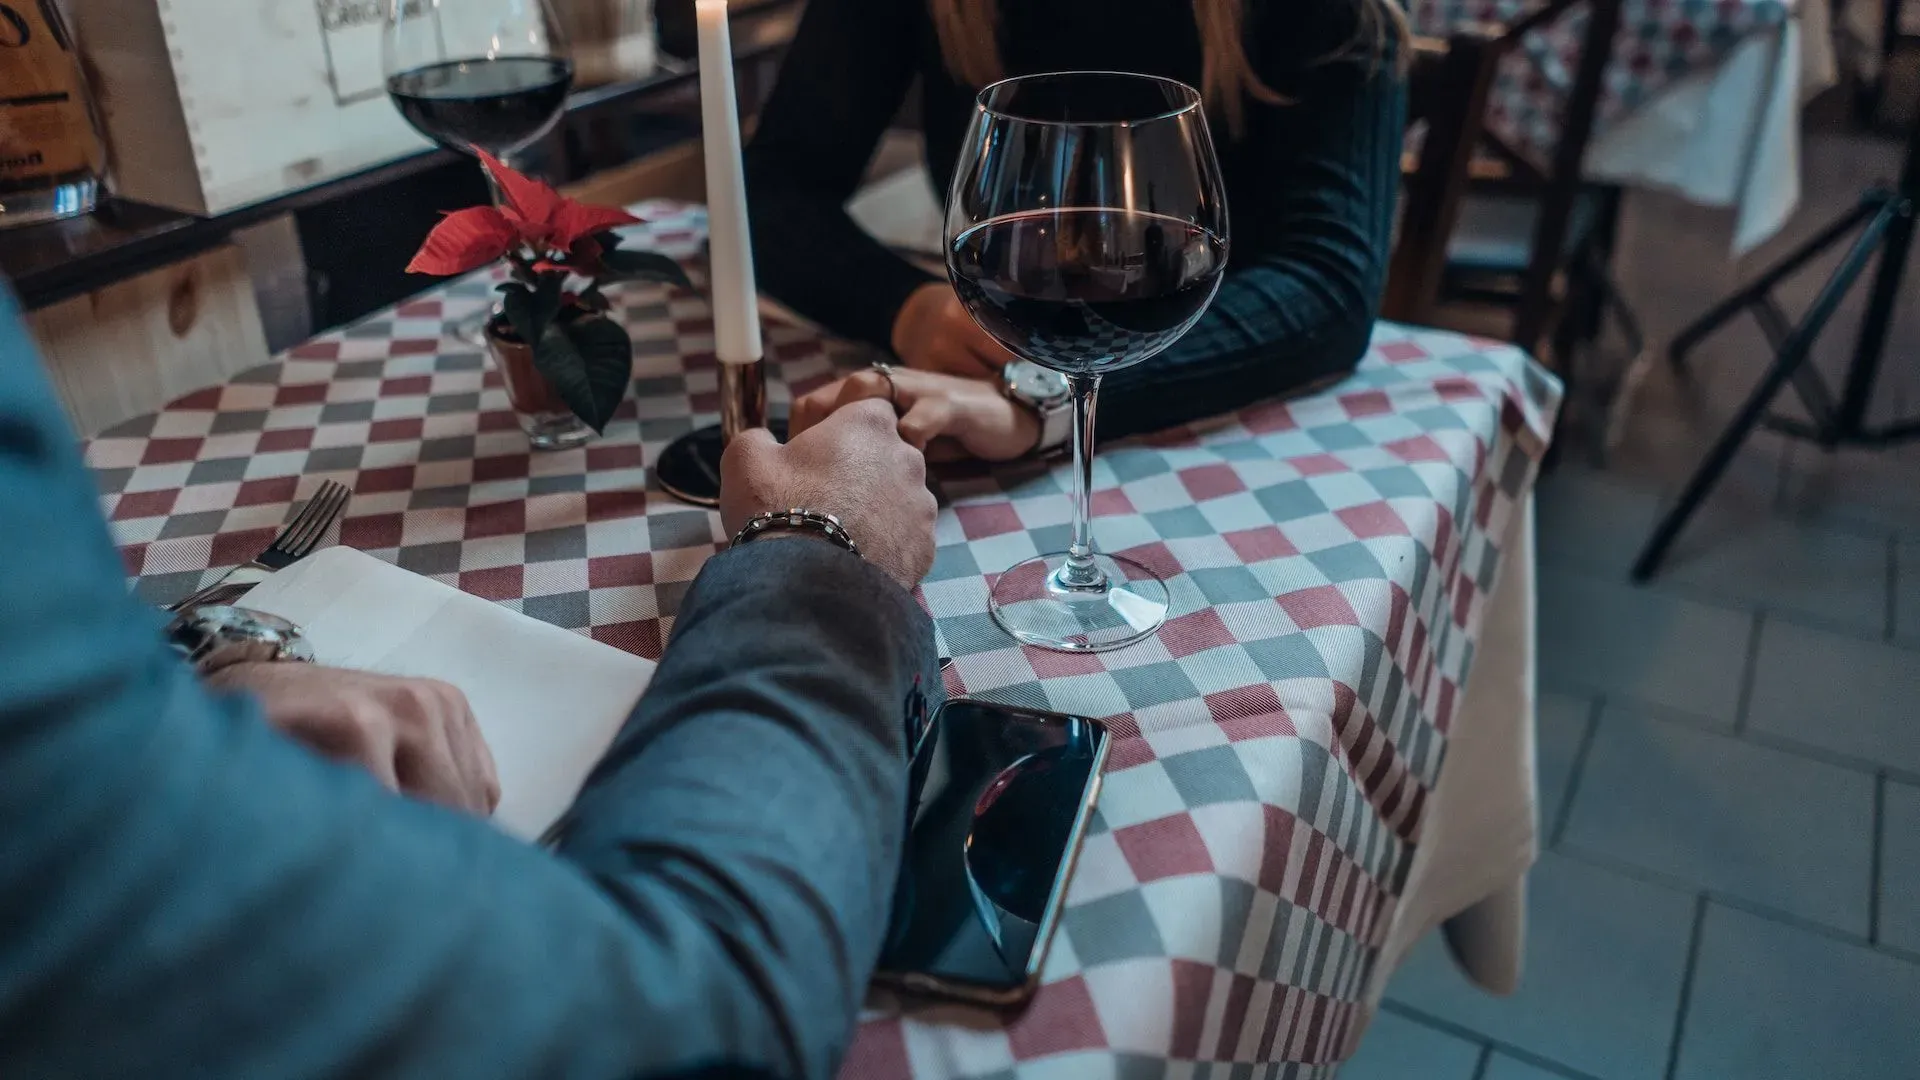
(948, 392)
(945, 416)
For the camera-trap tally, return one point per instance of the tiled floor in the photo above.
(1729, 757)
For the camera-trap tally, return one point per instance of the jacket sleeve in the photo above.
(183, 891)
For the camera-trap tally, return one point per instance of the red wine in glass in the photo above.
(498, 105)
(1086, 231)
(1086, 290)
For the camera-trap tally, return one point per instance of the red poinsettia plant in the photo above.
(561, 253)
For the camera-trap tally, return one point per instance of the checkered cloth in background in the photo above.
(1329, 559)
(1659, 43)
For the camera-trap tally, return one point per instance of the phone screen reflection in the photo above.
(995, 796)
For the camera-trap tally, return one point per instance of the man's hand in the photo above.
(416, 736)
(933, 332)
(852, 465)
(937, 412)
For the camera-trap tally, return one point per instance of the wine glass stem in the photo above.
(493, 186)
(1080, 570)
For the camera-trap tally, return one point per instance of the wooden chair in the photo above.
(1527, 235)
(1447, 86)
(1562, 222)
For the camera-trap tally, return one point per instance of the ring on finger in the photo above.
(885, 371)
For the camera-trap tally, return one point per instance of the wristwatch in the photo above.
(214, 636)
(1047, 393)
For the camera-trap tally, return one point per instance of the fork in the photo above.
(295, 541)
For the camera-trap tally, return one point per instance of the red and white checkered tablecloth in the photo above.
(1329, 560)
(1659, 43)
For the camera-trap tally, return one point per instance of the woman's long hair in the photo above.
(969, 44)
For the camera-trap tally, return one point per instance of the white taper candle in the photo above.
(736, 302)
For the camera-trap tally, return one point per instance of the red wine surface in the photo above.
(1084, 291)
(498, 105)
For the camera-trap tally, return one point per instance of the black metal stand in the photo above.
(1888, 214)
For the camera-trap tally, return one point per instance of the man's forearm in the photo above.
(763, 774)
(187, 892)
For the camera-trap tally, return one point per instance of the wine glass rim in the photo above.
(1191, 95)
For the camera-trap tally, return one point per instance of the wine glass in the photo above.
(1086, 231)
(491, 75)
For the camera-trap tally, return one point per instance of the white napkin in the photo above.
(548, 701)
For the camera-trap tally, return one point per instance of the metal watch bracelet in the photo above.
(796, 519)
(215, 636)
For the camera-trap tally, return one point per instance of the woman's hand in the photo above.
(933, 332)
(945, 415)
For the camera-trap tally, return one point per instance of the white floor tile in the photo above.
(1560, 725)
(1396, 1048)
(1605, 958)
(1840, 693)
(1804, 569)
(1769, 827)
(1906, 591)
(1900, 868)
(1502, 1067)
(1603, 635)
(1773, 1002)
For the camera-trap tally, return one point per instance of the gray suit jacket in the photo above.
(185, 892)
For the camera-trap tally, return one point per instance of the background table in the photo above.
(1702, 96)
(1332, 563)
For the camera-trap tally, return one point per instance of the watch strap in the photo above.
(796, 519)
(1056, 427)
(214, 636)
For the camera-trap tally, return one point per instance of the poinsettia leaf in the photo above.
(583, 258)
(643, 266)
(573, 220)
(531, 311)
(589, 362)
(594, 300)
(464, 240)
(607, 240)
(533, 202)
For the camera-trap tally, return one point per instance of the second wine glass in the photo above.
(1086, 232)
(472, 75)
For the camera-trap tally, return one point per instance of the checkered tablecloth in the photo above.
(1329, 560)
(1659, 43)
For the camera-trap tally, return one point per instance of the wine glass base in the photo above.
(472, 329)
(1032, 602)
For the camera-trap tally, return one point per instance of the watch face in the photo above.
(1031, 382)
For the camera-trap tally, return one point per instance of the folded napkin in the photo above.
(548, 701)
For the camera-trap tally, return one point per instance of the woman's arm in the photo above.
(844, 78)
(1303, 284)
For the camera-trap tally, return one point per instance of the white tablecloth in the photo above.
(1731, 136)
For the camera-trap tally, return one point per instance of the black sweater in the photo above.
(1311, 185)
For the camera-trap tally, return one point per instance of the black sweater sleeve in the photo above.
(1312, 211)
(844, 77)
(1304, 278)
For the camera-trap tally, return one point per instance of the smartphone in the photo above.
(999, 801)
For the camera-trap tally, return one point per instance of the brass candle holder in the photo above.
(689, 468)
